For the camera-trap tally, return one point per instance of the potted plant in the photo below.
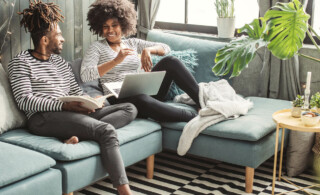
(226, 19)
(315, 102)
(282, 30)
(296, 106)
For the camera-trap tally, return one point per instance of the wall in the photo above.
(247, 83)
(308, 65)
(78, 38)
(75, 29)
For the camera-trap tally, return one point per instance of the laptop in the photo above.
(137, 83)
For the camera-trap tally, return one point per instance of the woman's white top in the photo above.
(100, 52)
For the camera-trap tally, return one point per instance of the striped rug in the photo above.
(192, 175)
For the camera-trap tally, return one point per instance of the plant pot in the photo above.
(296, 112)
(226, 27)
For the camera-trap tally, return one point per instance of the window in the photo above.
(313, 8)
(170, 12)
(316, 16)
(200, 15)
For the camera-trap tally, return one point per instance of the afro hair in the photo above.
(102, 10)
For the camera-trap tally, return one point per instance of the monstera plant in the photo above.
(282, 30)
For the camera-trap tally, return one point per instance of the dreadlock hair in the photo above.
(102, 10)
(40, 18)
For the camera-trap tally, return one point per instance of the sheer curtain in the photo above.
(279, 78)
(147, 12)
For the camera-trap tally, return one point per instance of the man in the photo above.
(38, 77)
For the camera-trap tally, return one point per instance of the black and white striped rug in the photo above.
(192, 175)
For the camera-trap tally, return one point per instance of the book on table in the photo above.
(88, 102)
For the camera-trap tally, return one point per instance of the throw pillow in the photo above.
(316, 147)
(11, 116)
(188, 58)
(316, 165)
(316, 150)
(299, 153)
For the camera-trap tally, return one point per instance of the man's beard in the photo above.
(56, 50)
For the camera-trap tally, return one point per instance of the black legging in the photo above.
(153, 107)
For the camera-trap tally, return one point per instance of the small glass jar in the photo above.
(296, 112)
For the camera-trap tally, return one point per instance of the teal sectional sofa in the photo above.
(24, 171)
(52, 167)
(247, 141)
(79, 165)
(31, 164)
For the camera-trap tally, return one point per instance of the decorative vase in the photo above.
(296, 112)
(226, 27)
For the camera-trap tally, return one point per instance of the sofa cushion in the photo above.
(137, 129)
(92, 167)
(252, 127)
(206, 51)
(11, 117)
(48, 182)
(17, 163)
(54, 148)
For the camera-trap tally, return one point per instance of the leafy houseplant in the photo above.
(282, 30)
(297, 104)
(225, 8)
(315, 101)
(226, 19)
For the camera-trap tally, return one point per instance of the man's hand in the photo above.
(146, 62)
(76, 107)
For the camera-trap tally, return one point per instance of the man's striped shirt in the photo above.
(100, 52)
(36, 84)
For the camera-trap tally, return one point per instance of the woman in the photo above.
(109, 59)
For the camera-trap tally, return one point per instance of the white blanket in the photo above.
(218, 102)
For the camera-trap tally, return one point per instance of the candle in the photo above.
(308, 81)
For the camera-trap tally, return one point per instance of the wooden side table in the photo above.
(284, 120)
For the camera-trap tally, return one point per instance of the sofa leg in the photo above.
(150, 166)
(71, 193)
(249, 179)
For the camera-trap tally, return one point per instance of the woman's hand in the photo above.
(146, 62)
(123, 53)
